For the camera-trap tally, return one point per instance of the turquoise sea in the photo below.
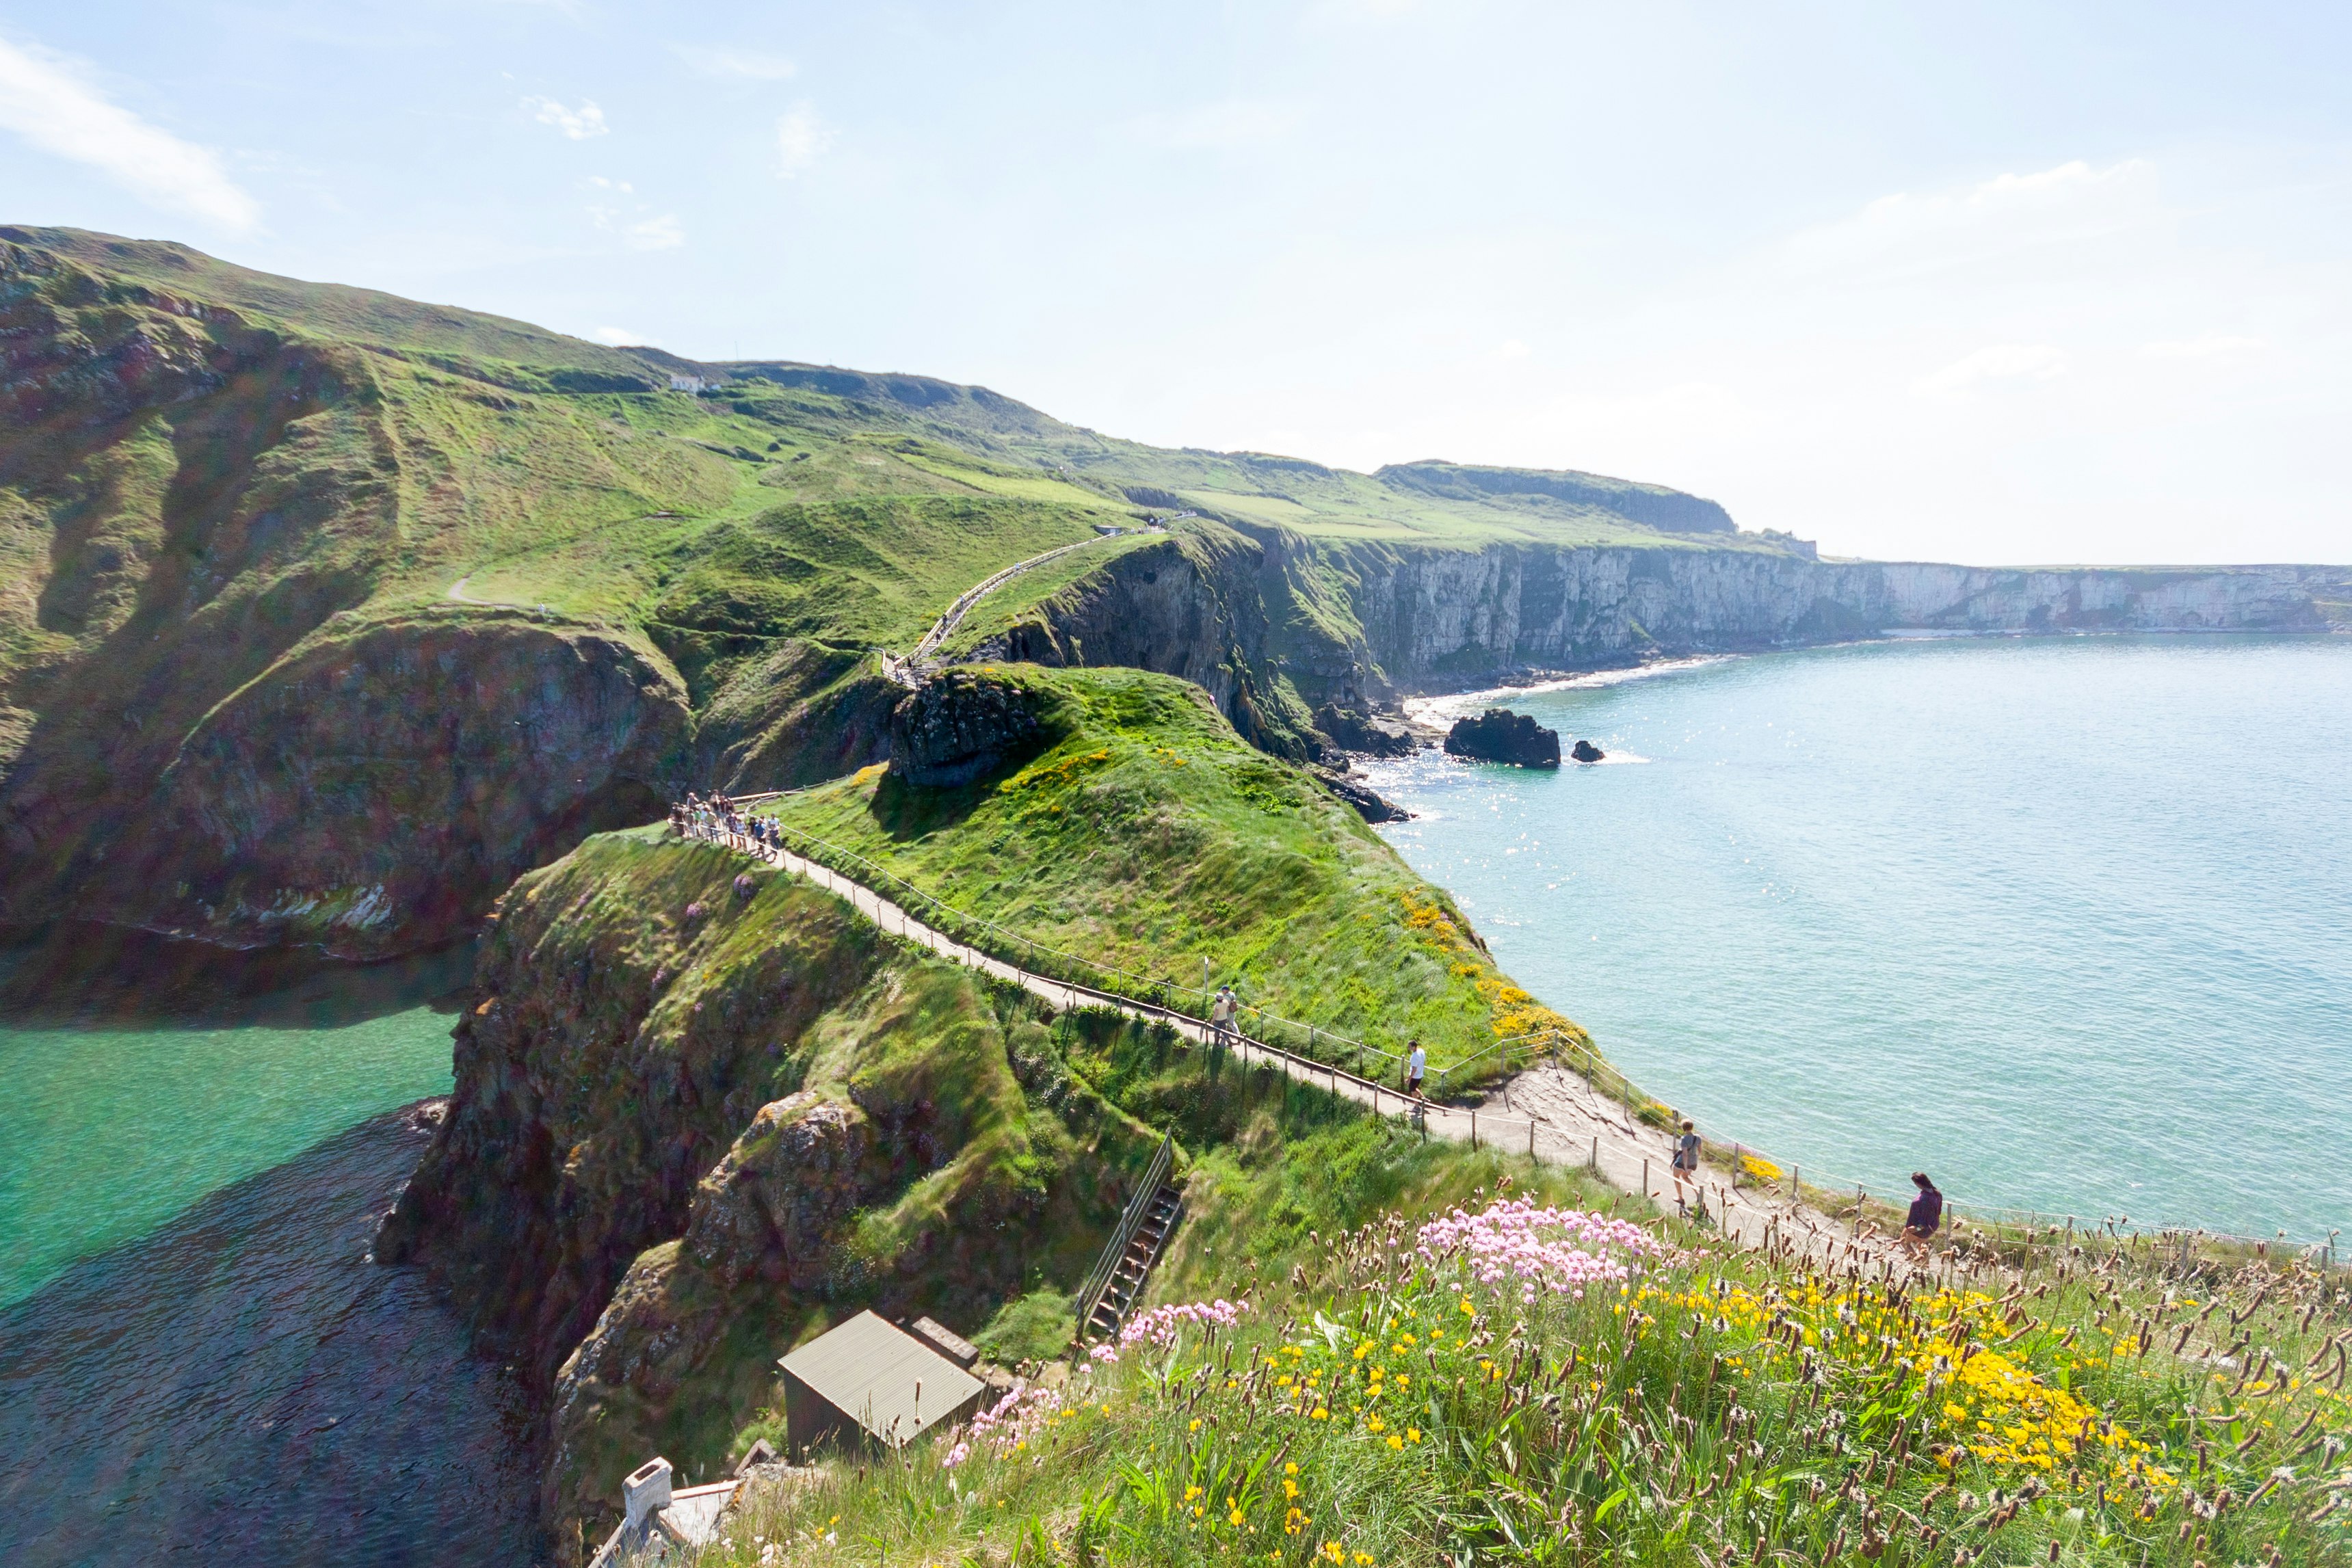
(2066, 922)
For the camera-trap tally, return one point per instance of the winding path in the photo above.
(1548, 1113)
(457, 594)
(909, 672)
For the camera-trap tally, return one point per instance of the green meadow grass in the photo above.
(1149, 837)
(1378, 1408)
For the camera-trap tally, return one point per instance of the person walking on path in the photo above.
(1686, 1151)
(1221, 1011)
(1927, 1215)
(1416, 1068)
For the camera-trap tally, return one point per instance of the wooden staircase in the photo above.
(1151, 1218)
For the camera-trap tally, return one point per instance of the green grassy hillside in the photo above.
(1146, 836)
(214, 482)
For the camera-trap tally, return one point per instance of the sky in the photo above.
(2001, 284)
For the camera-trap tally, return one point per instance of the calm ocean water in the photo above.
(2065, 922)
(198, 1362)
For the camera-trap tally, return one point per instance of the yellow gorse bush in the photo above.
(1972, 1397)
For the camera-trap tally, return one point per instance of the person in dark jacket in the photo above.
(1927, 1215)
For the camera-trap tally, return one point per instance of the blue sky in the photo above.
(1993, 283)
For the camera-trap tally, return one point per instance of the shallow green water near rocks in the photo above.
(109, 1128)
(2066, 921)
(199, 1359)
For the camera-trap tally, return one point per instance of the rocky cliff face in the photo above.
(1430, 617)
(703, 1111)
(962, 724)
(198, 733)
(1276, 625)
(372, 794)
(1247, 617)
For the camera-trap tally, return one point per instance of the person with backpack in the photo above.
(1926, 1216)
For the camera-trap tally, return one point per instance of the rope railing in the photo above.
(1591, 1066)
(1840, 1196)
(1014, 947)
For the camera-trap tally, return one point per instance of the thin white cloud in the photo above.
(2211, 346)
(2071, 201)
(599, 183)
(616, 336)
(750, 65)
(44, 99)
(579, 124)
(661, 232)
(802, 138)
(653, 233)
(1512, 348)
(2000, 365)
(1221, 126)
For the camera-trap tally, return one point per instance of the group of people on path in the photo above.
(701, 817)
(1925, 1217)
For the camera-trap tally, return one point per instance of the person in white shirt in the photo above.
(1221, 1013)
(1416, 1068)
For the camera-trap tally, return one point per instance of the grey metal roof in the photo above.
(868, 1370)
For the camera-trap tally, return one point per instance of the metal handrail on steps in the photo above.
(1129, 1222)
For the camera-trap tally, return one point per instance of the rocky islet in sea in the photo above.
(1498, 734)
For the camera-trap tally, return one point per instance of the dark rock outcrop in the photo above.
(364, 797)
(1369, 804)
(1585, 751)
(1352, 729)
(1498, 734)
(962, 724)
(1246, 616)
(768, 1208)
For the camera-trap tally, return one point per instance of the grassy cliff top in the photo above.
(833, 430)
(1144, 833)
(329, 310)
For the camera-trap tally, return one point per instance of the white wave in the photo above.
(1459, 705)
